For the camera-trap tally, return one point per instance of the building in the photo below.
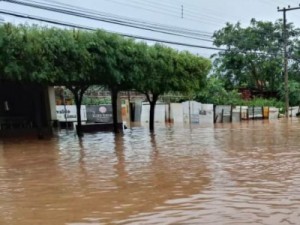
(26, 109)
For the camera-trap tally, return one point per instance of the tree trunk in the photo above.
(78, 92)
(152, 115)
(78, 111)
(114, 102)
(152, 110)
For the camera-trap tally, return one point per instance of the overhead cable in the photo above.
(151, 24)
(102, 19)
(56, 22)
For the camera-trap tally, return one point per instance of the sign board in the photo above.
(99, 114)
(67, 113)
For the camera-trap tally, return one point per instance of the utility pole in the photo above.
(285, 56)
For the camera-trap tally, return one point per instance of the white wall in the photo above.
(159, 116)
(176, 112)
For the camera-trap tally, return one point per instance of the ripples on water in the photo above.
(246, 173)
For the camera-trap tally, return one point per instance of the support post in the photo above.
(285, 56)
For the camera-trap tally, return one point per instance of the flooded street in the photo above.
(243, 173)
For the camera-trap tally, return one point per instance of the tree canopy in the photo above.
(77, 59)
(253, 55)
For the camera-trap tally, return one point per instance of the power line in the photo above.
(194, 9)
(94, 12)
(152, 25)
(177, 12)
(69, 6)
(199, 14)
(169, 12)
(56, 22)
(195, 13)
(104, 19)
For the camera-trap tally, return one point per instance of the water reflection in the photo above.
(244, 173)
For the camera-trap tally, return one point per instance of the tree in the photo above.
(69, 63)
(191, 73)
(294, 68)
(155, 76)
(294, 88)
(16, 61)
(252, 55)
(112, 57)
(22, 61)
(78, 59)
(162, 70)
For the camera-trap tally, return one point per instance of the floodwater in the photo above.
(246, 173)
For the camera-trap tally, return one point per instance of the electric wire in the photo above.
(97, 18)
(154, 28)
(72, 25)
(143, 38)
(191, 8)
(176, 11)
(81, 9)
(182, 7)
(76, 26)
(128, 4)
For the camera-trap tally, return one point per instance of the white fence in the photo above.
(186, 112)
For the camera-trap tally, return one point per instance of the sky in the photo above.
(201, 16)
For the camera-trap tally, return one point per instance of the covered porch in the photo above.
(24, 109)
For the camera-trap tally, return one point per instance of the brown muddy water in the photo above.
(246, 173)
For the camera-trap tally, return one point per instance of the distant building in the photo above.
(250, 93)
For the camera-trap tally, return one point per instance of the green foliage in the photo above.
(162, 70)
(78, 59)
(95, 101)
(156, 70)
(191, 72)
(215, 93)
(294, 63)
(67, 56)
(263, 102)
(73, 57)
(253, 55)
(13, 52)
(294, 92)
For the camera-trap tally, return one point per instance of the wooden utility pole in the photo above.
(285, 56)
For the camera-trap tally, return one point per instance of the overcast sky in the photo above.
(206, 16)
